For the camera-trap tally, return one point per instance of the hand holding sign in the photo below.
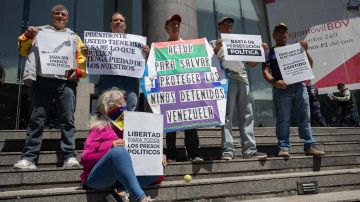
(146, 50)
(280, 84)
(84, 51)
(119, 142)
(265, 46)
(32, 31)
(304, 44)
(218, 45)
(71, 75)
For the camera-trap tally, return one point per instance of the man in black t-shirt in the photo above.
(288, 98)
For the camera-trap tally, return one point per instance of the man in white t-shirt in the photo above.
(238, 98)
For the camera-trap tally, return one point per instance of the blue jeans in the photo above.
(44, 91)
(238, 99)
(114, 167)
(129, 84)
(294, 98)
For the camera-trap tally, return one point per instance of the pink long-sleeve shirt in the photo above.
(97, 144)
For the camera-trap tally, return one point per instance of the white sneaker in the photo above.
(147, 199)
(24, 164)
(123, 195)
(71, 162)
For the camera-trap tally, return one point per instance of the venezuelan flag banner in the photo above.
(184, 82)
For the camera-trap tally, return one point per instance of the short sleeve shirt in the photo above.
(274, 66)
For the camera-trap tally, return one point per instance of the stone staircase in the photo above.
(213, 180)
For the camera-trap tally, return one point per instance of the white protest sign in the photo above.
(115, 53)
(144, 142)
(241, 47)
(56, 51)
(293, 63)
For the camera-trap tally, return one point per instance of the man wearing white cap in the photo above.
(288, 98)
(238, 98)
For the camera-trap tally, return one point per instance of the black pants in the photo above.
(191, 143)
(316, 116)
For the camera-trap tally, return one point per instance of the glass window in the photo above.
(252, 9)
(93, 15)
(228, 8)
(11, 14)
(206, 19)
(11, 22)
(40, 12)
(205, 5)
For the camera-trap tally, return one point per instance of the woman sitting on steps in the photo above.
(106, 162)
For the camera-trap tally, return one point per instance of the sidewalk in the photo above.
(322, 197)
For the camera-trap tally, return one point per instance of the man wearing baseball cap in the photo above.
(238, 98)
(288, 98)
(172, 27)
(346, 114)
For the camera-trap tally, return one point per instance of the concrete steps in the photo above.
(56, 176)
(264, 131)
(52, 142)
(209, 152)
(343, 196)
(213, 180)
(210, 189)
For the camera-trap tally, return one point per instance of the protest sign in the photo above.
(293, 63)
(115, 53)
(56, 51)
(185, 83)
(144, 142)
(241, 47)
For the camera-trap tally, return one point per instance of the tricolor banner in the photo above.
(183, 81)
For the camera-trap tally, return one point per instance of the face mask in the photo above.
(117, 117)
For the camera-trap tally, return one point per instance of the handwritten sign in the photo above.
(115, 53)
(56, 51)
(185, 83)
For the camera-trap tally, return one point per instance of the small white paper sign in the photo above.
(293, 63)
(143, 136)
(330, 95)
(115, 53)
(242, 47)
(56, 51)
